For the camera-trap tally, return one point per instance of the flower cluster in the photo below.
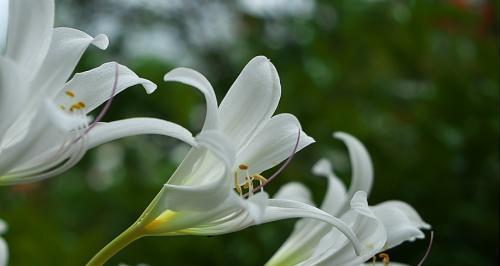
(219, 187)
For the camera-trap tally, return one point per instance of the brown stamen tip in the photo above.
(70, 94)
(243, 166)
(385, 258)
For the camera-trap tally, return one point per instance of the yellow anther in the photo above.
(62, 107)
(70, 93)
(77, 106)
(385, 258)
(74, 107)
(243, 166)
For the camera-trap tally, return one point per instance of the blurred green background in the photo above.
(416, 81)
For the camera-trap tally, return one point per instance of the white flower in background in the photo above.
(4, 251)
(218, 188)
(44, 128)
(378, 227)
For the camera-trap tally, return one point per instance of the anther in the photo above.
(70, 93)
(81, 104)
(385, 258)
(243, 166)
(62, 107)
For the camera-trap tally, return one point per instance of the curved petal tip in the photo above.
(101, 41)
(322, 168)
(149, 86)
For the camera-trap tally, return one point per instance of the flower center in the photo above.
(247, 185)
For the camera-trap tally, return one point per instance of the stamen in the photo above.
(428, 251)
(243, 166)
(260, 178)
(287, 162)
(237, 185)
(249, 181)
(62, 107)
(385, 258)
(374, 260)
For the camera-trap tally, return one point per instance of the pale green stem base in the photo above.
(133, 233)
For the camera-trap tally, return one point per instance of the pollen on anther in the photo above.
(385, 258)
(81, 104)
(70, 93)
(62, 107)
(243, 166)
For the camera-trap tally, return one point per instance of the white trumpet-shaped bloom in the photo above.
(44, 127)
(4, 251)
(212, 194)
(214, 190)
(378, 227)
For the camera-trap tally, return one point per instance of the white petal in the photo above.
(361, 165)
(294, 191)
(200, 197)
(255, 206)
(12, 155)
(250, 101)
(336, 196)
(50, 140)
(284, 209)
(12, 94)
(334, 249)
(29, 31)
(4, 252)
(225, 217)
(398, 226)
(408, 210)
(66, 48)
(105, 132)
(197, 80)
(274, 143)
(47, 150)
(307, 232)
(94, 87)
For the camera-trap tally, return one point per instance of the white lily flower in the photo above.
(43, 117)
(378, 228)
(218, 188)
(4, 251)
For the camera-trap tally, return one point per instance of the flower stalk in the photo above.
(128, 236)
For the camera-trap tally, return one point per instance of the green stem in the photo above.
(133, 233)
